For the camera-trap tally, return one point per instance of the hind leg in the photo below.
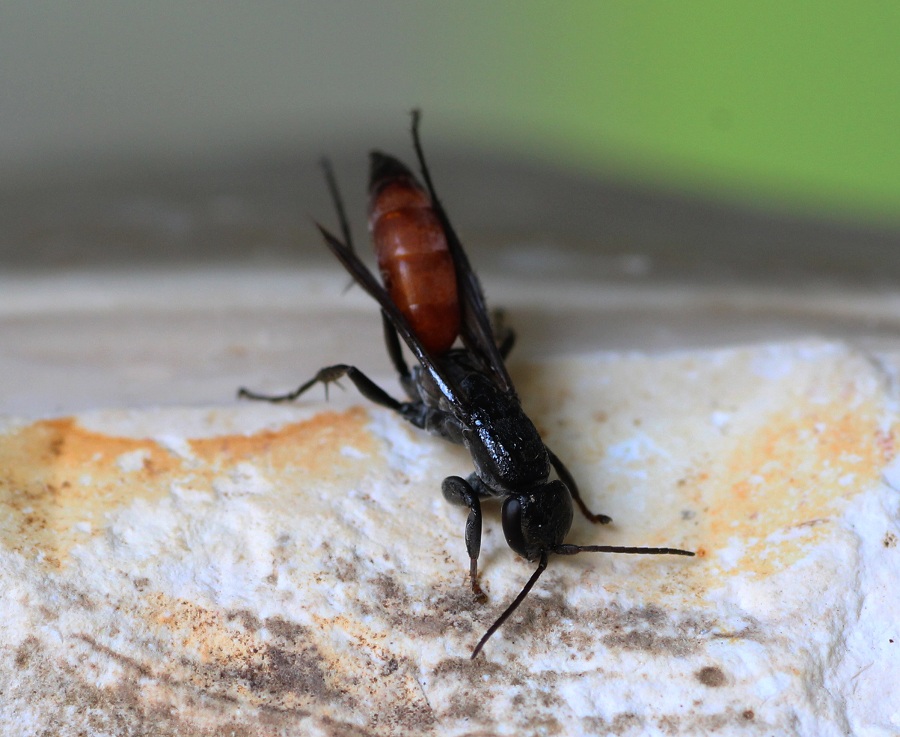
(330, 375)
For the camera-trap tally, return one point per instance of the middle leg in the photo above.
(569, 481)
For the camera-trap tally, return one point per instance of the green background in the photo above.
(791, 104)
(787, 105)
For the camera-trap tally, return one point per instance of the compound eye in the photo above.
(512, 525)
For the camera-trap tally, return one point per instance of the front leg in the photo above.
(458, 491)
(330, 375)
(569, 481)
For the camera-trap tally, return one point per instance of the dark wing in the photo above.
(361, 274)
(476, 331)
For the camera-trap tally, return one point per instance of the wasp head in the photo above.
(537, 521)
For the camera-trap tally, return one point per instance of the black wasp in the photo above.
(431, 295)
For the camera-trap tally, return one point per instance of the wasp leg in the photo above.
(567, 479)
(330, 375)
(505, 335)
(458, 491)
(506, 342)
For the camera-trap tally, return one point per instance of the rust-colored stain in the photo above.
(314, 445)
(204, 633)
(223, 661)
(782, 486)
(230, 656)
(58, 480)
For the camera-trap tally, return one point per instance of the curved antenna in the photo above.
(512, 607)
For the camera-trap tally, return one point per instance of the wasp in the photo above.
(431, 298)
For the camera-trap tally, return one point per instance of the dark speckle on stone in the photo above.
(711, 676)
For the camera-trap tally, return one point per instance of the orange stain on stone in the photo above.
(781, 488)
(59, 480)
(313, 445)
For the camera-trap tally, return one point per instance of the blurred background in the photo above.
(746, 149)
(794, 106)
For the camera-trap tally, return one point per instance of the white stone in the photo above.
(166, 571)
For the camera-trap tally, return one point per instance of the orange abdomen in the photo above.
(411, 248)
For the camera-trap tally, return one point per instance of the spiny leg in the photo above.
(569, 481)
(458, 491)
(329, 375)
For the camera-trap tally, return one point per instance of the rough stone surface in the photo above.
(261, 570)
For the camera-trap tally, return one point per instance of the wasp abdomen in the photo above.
(411, 248)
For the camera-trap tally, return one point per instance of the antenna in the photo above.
(566, 550)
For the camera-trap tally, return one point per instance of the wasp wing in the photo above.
(361, 274)
(476, 330)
